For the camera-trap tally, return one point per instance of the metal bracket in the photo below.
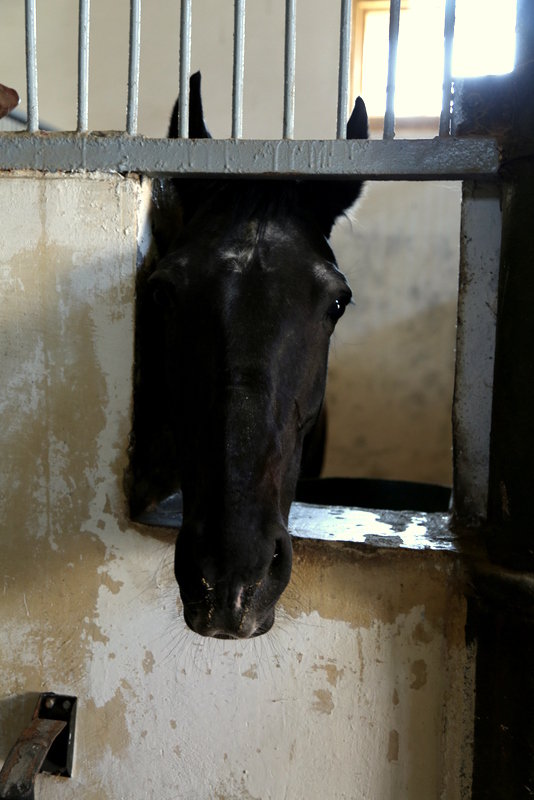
(46, 745)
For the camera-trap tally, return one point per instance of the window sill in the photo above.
(375, 528)
(411, 530)
(406, 127)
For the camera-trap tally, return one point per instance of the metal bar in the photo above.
(344, 67)
(405, 159)
(31, 67)
(480, 247)
(25, 758)
(83, 65)
(445, 117)
(185, 68)
(289, 69)
(22, 118)
(133, 67)
(394, 22)
(239, 69)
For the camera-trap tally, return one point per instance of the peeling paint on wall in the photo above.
(362, 689)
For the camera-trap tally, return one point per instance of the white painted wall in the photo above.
(363, 689)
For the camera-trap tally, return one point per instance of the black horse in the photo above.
(233, 329)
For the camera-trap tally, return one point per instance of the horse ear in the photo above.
(358, 124)
(328, 199)
(191, 191)
(197, 126)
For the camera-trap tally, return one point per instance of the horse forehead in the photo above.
(236, 257)
(275, 257)
(267, 245)
(282, 267)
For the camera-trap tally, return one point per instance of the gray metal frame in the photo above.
(404, 159)
(476, 161)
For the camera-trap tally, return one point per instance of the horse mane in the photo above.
(244, 200)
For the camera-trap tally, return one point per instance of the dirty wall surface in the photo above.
(361, 691)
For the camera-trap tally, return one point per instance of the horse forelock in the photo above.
(257, 201)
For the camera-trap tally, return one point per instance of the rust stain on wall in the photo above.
(346, 582)
(421, 634)
(393, 746)
(111, 718)
(324, 702)
(251, 672)
(333, 673)
(148, 662)
(419, 672)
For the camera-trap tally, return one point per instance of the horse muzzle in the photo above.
(225, 623)
(230, 584)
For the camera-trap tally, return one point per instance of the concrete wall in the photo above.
(392, 360)
(362, 690)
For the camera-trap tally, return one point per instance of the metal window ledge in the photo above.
(407, 530)
(376, 528)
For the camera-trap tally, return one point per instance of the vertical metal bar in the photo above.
(445, 117)
(289, 69)
(83, 65)
(480, 248)
(31, 66)
(239, 69)
(344, 65)
(133, 67)
(185, 67)
(394, 21)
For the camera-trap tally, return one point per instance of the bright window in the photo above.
(484, 43)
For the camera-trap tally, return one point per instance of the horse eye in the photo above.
(337, 309)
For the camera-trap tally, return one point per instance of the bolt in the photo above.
(66, 705)
(50, 702)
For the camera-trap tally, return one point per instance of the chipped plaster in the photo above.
(359, 691)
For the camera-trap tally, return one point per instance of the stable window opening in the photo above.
(483, 44)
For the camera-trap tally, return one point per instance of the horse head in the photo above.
(245, 300)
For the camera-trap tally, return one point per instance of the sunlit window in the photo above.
(484, 43)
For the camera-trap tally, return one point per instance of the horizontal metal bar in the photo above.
(403, 159)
